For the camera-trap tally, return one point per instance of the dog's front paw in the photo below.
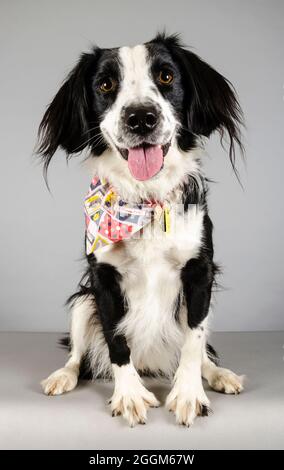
(61, 381)
(133, 405)
(226, 381)
(187, 402)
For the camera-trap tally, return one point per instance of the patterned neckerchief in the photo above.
(110, 219)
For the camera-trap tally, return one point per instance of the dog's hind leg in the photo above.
(220, 379)
(65, 379)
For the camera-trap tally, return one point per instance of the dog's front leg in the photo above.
(187, 398)
(130, 398)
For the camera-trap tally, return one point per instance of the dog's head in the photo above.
(138, 107)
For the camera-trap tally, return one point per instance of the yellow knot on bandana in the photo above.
(110, 219)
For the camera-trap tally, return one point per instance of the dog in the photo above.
(142, 114)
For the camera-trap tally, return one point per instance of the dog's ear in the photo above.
(210, 101)
(66, 121)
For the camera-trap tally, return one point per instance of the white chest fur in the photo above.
(150, 269)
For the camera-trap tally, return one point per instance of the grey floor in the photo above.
(80, 419)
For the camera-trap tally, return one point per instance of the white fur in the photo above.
(130, 398)
(61, 381)
(136, 88)
(220, 379)
(150, 269)
(177, 165)
(187, 395)
(65, 379)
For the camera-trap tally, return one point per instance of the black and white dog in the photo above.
(143, 304)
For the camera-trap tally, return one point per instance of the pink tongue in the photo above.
(144, 163)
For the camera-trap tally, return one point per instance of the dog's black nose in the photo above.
(141, 120)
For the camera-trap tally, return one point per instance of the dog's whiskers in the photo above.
(91, 140)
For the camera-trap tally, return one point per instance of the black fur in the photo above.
(203, 99)
(198, 277)
(101, 282)
(86, 372)
(212, 354)
(197, 280)
(111, 308)
(72, 119)
(209, 101)
(204, 102)
(194, 192)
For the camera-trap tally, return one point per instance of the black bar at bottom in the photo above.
(126, 458)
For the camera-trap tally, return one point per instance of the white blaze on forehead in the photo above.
(136, 81)
(137, 87)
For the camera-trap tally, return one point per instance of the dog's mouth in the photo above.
(145, 161)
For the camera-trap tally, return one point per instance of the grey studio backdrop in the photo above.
(42, 235)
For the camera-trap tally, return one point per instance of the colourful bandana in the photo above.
(109, 219)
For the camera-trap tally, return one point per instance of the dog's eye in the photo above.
(107, 85)
(165, 77)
